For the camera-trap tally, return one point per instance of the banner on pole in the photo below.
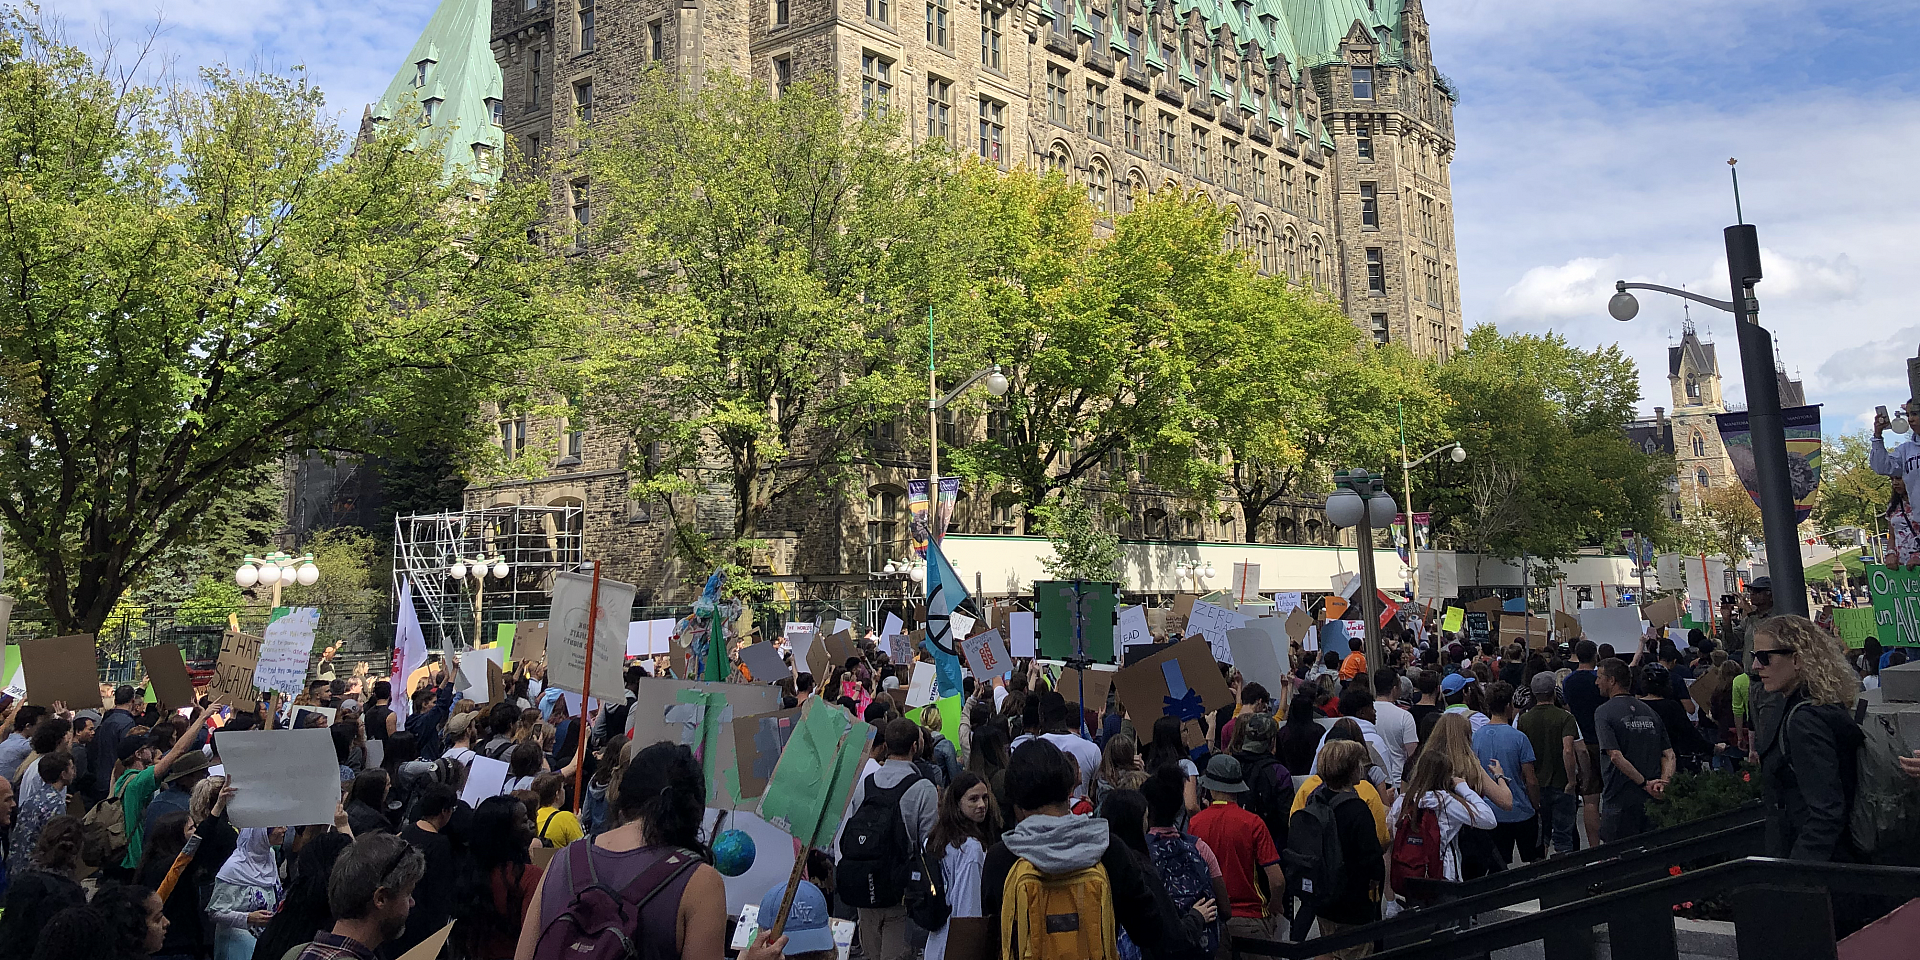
(918, 517)
(1802, 426)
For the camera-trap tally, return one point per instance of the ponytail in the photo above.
(664, 788)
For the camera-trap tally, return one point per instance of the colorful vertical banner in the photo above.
(917, 527)
(1422, 533)
(943, 507)
(1802, 426)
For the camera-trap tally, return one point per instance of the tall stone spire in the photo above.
(449, 88)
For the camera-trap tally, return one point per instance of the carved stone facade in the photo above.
(1322, 122)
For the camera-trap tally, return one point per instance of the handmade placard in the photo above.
(1182, 681)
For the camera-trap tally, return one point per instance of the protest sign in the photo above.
(282, 778)
(1854, 624)
(1183, 604)
(1619, 626)
(1260, 652)
(1453, 619)
(1286, 602)
(430, 948)
(167, 672)
(1212, 622)
(800, 637)
(757, 742)
(1182, 681)
(1133, 626)
(811, 784)
(1246, 581)
(62, 670)
(285, 649)
(646, 638)
(1298, 623)
(1075, 612)
(1679, 637)
(1566, 627)
(986, 655)
(763, 660)
(1478, 626)
(1486, 605)
(486, 777)
(1661, 612)
(840, 649)
(899, 647)
(567, 635)
(1020, 634)
(920, 689)
(1896, 605)
(891, 625)
(530, 640)
(1096, 683)
(960, 624)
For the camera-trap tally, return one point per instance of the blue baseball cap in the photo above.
(807, 929)
(1454, 682)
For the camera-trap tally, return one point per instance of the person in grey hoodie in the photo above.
(885, 932)
(1041, 780)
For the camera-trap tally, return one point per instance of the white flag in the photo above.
(409, 653)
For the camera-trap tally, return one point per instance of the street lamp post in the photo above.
(996, 385)
(1763, 409)
(275, 570)
(1360, 499)
(477, 570)
(1458, 454)
(1199, 572)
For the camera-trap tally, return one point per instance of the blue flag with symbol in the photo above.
(945, 593)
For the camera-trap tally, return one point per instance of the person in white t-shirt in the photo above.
(1395, 725)
(1054, 720)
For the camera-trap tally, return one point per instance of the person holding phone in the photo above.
(1903, 464)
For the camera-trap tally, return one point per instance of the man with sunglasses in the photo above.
(370, 893)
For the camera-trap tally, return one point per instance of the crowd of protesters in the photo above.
(1338, 799)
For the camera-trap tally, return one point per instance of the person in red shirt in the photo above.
(1356, 662)
(1244, 847)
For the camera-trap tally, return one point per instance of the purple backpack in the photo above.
(601, 923)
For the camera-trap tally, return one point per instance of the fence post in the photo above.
(1782, 921)
(1568, 942)
(1646, 933)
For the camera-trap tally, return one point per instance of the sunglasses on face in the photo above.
(1765, 657)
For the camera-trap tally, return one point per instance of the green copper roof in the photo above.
(1117, 35)
(1186, 68)
(1214, 89)
(1248, 102)
(1154, 59)
(1326, 136)
(1081, 25)
(462, 81)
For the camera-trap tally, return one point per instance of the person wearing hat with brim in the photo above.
(459, 738)
(1244, 848)
(138, 785)
(809, 928)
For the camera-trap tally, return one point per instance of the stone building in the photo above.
(1693, 375)
(1323, 123)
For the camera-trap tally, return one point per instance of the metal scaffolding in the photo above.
(536, 542)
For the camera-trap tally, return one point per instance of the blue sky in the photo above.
(1593, 140)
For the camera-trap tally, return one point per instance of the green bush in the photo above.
(1696, 796)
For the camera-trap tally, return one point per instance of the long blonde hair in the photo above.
(1453, 736)
(1823, 658)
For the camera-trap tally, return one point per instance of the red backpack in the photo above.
(1418, 853)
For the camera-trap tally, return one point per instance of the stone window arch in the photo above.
(1099, 184)
(1060, 158)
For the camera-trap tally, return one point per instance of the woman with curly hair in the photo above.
(1807, 762)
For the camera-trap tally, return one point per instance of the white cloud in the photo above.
(1558, 293)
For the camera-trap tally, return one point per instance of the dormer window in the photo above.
(429, 107)
(497, 109)
(483, 157)
(420, 73)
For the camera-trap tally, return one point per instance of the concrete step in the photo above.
(1696, 938)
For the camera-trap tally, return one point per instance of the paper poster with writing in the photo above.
(986, 655)
(1212, 622)
(284, 651)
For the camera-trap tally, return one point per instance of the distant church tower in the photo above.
(1699, 458)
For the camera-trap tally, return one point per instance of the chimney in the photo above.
(1659, 414)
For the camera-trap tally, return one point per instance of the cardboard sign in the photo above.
(1486, 605)
(167, 671)
(1520, 628)
(986, 655)
(840, 649)
(1097, 682)
(62, 670)
(1183, 604)
(757, 742)
(763, 660)
(1299, 624)
(283, 778)
(285, 650)
(1132, 631)
(1212, 622)
(1146, 689)
(430, 947)
(530, 640)
(1260, 653)
(1335, 608)
(567, 635)
(920, 688)
(1661, 612)
(1020, 634)
(808, 793)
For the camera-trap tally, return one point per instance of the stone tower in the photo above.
(1693, 373)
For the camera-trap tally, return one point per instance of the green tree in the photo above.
(1084, 545)
(1103, 338)
(755, 263)
(199, 279)
(1552, 468)
(1851, 494)
(1722, 522)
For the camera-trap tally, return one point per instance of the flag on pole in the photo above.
(409, 653)
(945, 593)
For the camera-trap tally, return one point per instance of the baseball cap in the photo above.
(1224, 775)
(1261, 731)
(807, 929)
(1454, 682)
(130, 746)
(1761, 583)
(459, 724)
(1543, 683)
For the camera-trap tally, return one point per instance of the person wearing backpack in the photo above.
(1269, 783)
(1055, 864)
(646, 881)
(1334, 864)
(1808, 762)
(1245, 848)
(1427, 819)
(894, 808)
(1188, 869)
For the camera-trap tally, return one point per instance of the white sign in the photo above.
(961, 624)
(986, 655)
(1132, 631)
(472, 680)
(920, 689)
(1020, 638)
(1344, 584)
(486, 777)
(1260, 653)
(1697, 607)
(567, 635)
(1678, 635)
(800, 637)
(284, 651)
(281, 778)
(839, 625)
(1213, 622)
(646, 638)
(892, 627)
(1619, 626)
(1246, 581)
(1438, 578)
(1285, 603)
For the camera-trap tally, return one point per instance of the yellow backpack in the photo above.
(1068, 917)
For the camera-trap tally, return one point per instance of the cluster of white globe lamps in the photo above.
(276, 568)
(917, 572)
(478, 568)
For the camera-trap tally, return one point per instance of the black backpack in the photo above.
(1266, 798)
(1315, 865)
(875, 853)
(926, 893)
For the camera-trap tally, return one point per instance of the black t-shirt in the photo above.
(1582, 690)
(433, 896)
(1510, 673)
(1420, 712)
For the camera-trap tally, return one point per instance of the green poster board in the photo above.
(1855, 624)
(1053, 602)
(1896, 605)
